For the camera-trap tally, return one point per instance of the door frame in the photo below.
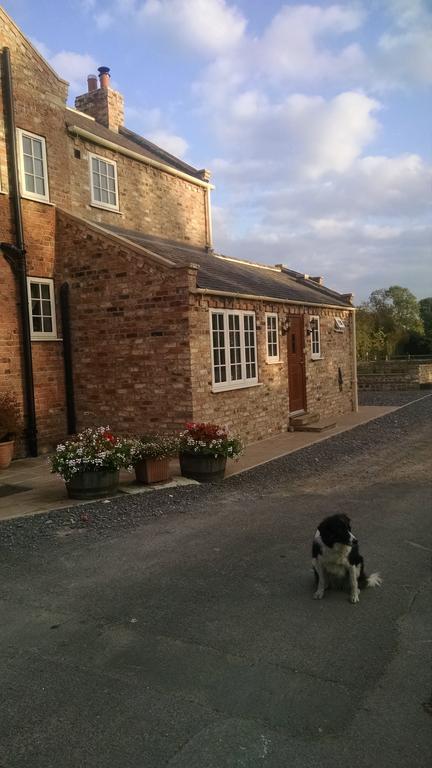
(300, 320)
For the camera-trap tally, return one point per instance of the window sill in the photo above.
(37, 200)
(316, 359)
(55, 338)
(231, 388)
(274, 362)
(106, 208)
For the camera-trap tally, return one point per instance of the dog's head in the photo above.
(336, 530)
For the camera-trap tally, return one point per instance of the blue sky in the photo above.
(313, 117)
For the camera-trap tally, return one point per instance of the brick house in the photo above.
(114, 306)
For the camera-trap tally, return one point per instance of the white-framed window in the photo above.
(233, 348)
(314, 324)
(41, 308)
(272, 337)
(339, 324)
(32, 165)
(103, 182)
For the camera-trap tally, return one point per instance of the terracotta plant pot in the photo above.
(6, 453)
(92, 485)
(204, 468)
(152, 471)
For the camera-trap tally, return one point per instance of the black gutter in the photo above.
(67, 357)
(16, 254)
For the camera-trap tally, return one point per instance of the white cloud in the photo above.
(172, 143)
(152, 124)
(404, 53)
(360, 228)
(333, 134)
(306, 136)
(104, 20)
(71, 66)
(208, 26)
(292, 45)
(74, 67)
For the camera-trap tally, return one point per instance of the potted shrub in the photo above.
(150, 456)
(204, 449)
(89, 463)
(9, 426)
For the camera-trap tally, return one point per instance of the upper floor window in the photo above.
(234, 355)
(103, 175)
(272, 337)
(33, 165)
(41, 308)
(315, 337)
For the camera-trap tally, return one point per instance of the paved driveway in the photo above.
(192, 641)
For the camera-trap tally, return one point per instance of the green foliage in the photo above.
(94, 450)
(425, 306)
(210, 440)
(152, 447)
(390, 322)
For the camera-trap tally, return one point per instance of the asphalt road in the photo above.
(192, 641)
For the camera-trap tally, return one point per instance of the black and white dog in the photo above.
(336, 559)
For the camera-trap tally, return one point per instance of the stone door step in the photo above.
(303, 419)
(319, 426)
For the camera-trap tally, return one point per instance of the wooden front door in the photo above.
(296, 365)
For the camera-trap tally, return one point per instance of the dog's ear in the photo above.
(327, 533)
(346, 520)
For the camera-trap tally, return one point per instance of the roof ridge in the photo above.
(246, 262)
(306, 280)
(141, 140)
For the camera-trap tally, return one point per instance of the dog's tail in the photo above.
(374, 580)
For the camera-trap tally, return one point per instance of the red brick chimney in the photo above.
(102, 103)
(92, 83)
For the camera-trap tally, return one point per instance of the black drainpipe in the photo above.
(15, 255)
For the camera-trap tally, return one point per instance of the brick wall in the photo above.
(151, 200)
(325, 393)
(10, 338)
(39, 100)
(47, 356)
(130, 332)
(258, 412)
(388, 375)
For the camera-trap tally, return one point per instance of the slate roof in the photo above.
(221, 273)
(130, 140)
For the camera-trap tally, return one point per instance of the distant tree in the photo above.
(387, 321)
(365, 329)
(425, 306)
(416, 344)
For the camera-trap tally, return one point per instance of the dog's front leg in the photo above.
(355, 592)
(319, 594)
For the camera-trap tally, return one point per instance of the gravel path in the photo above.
(390, 398)
(193, 640)
(306, 466)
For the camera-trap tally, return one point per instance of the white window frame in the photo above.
(339, 325)
(98, 203)
(42, 335)
(244, 381)
(269, 317)
(315, 337)
(21, 133)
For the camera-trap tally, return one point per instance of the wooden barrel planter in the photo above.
(93, 485)
(203, 467)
